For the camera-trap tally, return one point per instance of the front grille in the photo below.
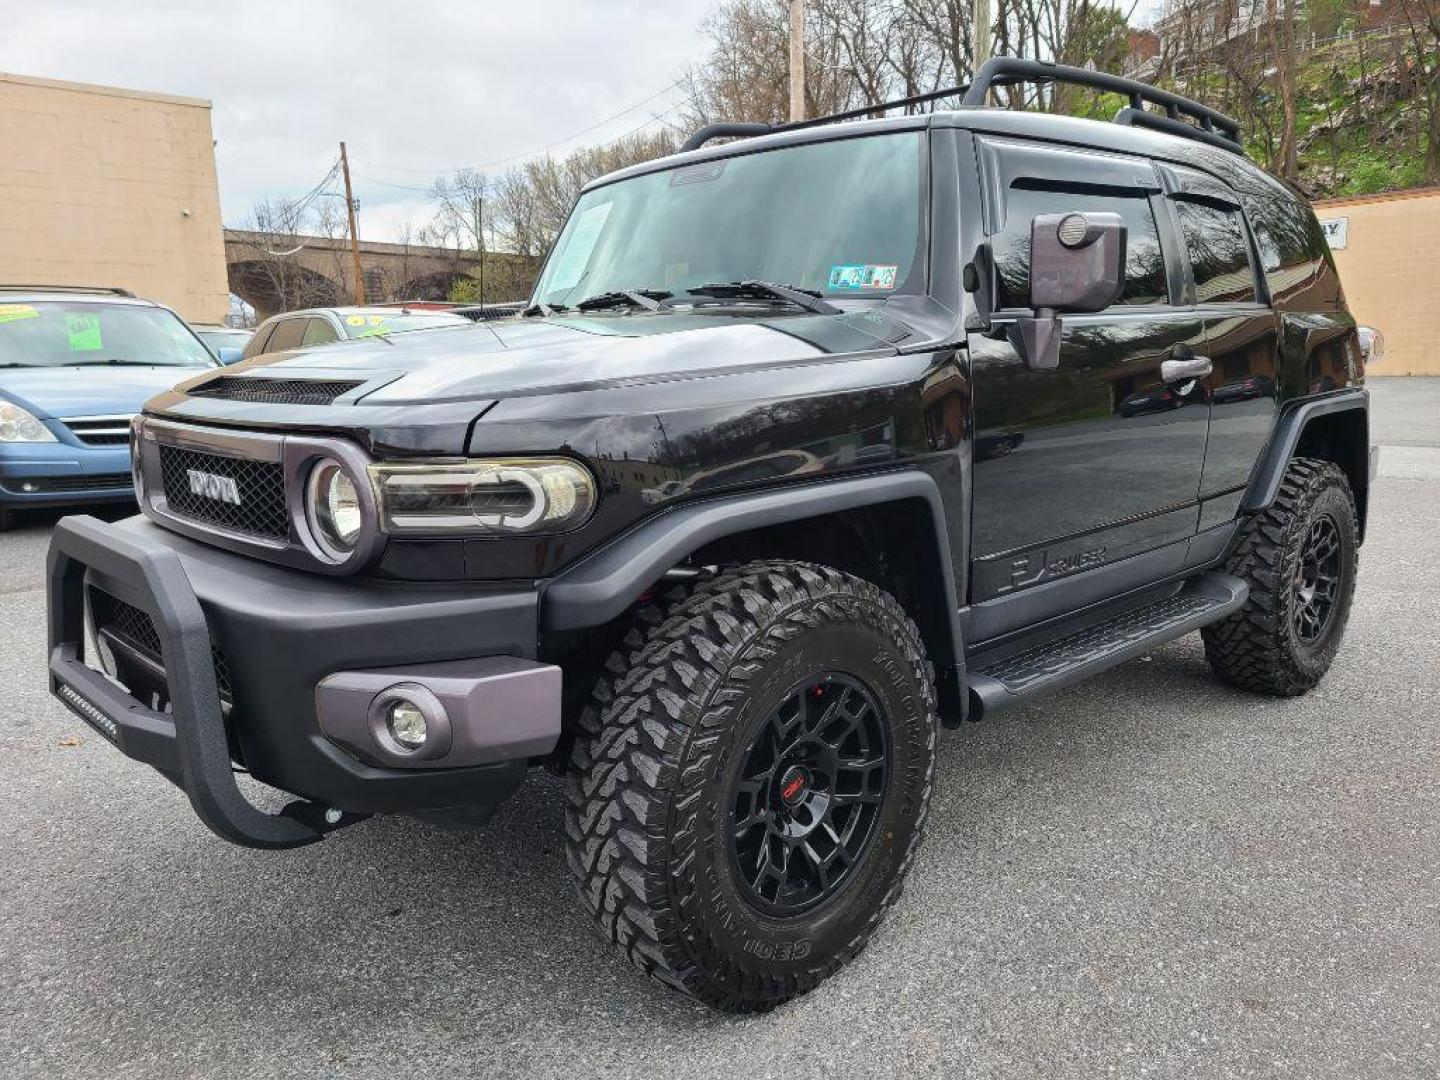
(260, 486)
(99, 430)
(275, 391)
(136, 629)
(130, 623)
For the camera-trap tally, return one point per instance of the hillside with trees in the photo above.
(1340, 97)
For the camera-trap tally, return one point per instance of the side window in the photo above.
(287, 335)
(1219, 257)
(319, 332)
(256, 345)
(1293, 252)
(1144, 262)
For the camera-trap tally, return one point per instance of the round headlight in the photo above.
(334, 508)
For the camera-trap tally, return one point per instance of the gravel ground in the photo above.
(1150, 875)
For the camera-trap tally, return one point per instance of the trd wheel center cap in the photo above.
(794, 786)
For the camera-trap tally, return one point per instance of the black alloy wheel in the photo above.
(809, 795)
(1317, 584)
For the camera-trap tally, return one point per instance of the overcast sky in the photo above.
(414, 88)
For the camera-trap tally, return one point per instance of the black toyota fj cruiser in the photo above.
(809, 443)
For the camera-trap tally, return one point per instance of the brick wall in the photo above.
(111, 187)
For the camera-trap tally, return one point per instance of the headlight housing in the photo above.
(19, 426)
(496, 497)
(332, 504)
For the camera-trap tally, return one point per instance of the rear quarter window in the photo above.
(1293, 254)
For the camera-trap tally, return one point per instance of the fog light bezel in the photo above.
(440, 734)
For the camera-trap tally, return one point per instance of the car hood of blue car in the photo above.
(56, 392)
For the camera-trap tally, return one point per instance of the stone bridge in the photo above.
(281, 273)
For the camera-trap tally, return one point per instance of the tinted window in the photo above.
(319, 332)
(256, 345)
(1144, 263)
(841, 218)
(1215, 242)
(288, 334)
(1292, 245)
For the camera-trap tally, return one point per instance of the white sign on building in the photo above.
(1337, 232)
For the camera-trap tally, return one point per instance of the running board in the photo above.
(1046, 668)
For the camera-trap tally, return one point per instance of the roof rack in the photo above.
(114, 290)
(1208, 126)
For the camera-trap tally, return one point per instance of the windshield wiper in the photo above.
(766, 290)
(542, 309)
(117, 361)
(20, 363)
(649, 299)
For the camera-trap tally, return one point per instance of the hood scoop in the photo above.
(272, 391)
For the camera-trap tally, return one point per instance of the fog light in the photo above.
(407, 724)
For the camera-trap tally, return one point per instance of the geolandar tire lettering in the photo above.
(749, 793)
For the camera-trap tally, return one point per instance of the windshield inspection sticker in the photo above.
(14, 312)
(570, 266)
(863, 277)
(84, 333)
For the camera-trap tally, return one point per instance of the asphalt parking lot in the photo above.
(1151, 875)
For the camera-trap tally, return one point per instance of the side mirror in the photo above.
(1077, 264)
(228, 354)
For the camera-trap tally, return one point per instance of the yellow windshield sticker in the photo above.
(376, 320)
(84, 333)
(354, 320)
(13, 312)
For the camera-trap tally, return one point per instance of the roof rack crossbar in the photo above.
(1209, 126)
(114, 290)
(719, 131)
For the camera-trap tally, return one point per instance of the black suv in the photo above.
(809, 443)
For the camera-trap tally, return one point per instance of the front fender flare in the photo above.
(601, 586)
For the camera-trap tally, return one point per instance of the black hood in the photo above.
(524, 357)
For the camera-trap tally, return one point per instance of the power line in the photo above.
(481, 168)
(530, 153)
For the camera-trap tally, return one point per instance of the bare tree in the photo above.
(1422, 25)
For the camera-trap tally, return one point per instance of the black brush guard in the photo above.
(188, 744)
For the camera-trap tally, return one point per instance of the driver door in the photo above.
(1098, 463)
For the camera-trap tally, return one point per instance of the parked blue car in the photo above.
(75, 366)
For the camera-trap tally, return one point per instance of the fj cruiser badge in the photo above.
(209, 486)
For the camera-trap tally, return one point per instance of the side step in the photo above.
(1056, 664)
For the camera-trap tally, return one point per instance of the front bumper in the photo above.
(244, 648)
(57, 473)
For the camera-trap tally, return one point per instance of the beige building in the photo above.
(100, 186)
(1387, 248)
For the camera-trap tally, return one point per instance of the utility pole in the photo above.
(797, 60)
(980, 36)
(480, 241)
(354, 237)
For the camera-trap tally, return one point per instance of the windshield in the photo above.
(841, 218)
(68, 333)
(372, 325)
